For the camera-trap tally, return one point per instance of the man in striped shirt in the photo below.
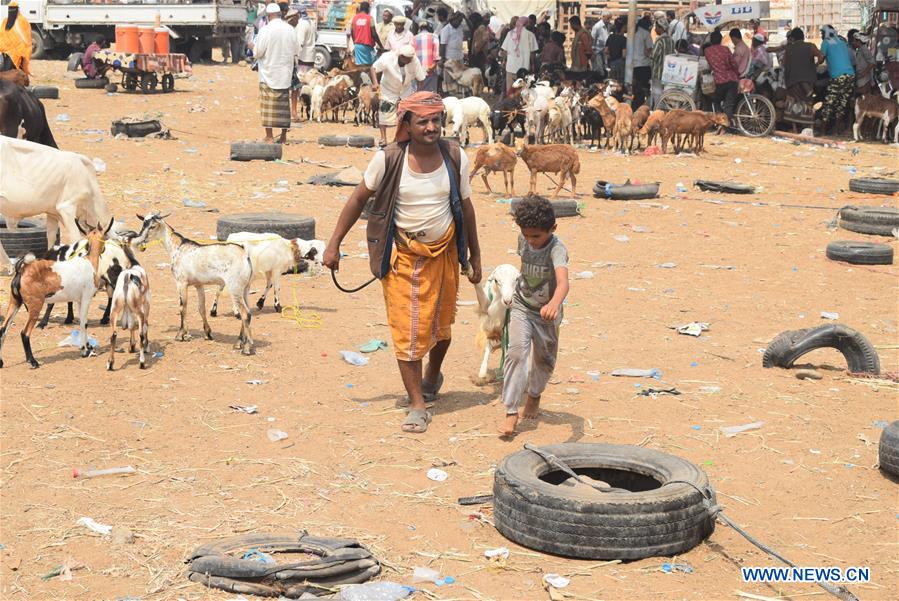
(427, 48)
(664, 45)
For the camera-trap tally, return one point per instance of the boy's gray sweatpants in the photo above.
(531, 358)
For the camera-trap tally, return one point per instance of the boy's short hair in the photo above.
(535, 212)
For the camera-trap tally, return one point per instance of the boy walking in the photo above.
(536, 311)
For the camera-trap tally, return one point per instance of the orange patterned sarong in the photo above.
(420, 293)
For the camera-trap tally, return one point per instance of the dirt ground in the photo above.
(806, 482)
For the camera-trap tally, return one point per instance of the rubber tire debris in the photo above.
(91, 84)
(874, 185)
(888, 450)
(342, 561)
(255, 151)
(285, 225)
(707, 185)
(789, 346)
(626, 191)
(360, 141)
(875, 221)
(585, 523)
(30, 237)
(561, 208)
(135, 129)
(75, 60)
(333, 140)
(860, 253)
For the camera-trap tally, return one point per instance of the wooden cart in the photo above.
(145, 72)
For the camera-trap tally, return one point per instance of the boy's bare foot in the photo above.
(531, 408)
(507, 427)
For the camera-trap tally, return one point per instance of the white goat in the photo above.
(494, 301)
(449, 109)
(469, 111)
(193, 264)
(131, 301)
(315, 100)
(274, 256)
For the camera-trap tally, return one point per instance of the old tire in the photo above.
(30, 236)
(91, 84)
(333, 140)
(255, 151)
(888, 451)
(875, 221)
(46, 92)
(561, 208)
(285, 225)
(651, 519)
(135, 129)
(707, 185)
(626, 191)
(860, 354)
(860, 253)
(75, 60)
(361, 141)
(874, 185)
(322, 58)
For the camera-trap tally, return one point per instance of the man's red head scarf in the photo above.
(423, 104)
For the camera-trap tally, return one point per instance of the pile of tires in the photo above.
(888, 451)
(285, 225)
(874, 221)
(788, 347)
(29, 237)
(655, 509)
(561, 208)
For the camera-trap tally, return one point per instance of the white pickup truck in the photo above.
(196, 27)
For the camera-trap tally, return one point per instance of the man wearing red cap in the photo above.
(421, 228)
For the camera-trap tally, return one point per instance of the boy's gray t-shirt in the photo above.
(537, 282)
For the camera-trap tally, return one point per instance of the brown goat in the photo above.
(651, 128)
(363, 108)
(496, 157)
(624, 129)
(561, 159)
(877, 107)
(691, 125)
(334, 98)
(607, 114)
(640, 117)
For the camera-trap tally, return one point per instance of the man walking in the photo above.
(361, 33)
(427, 49)
(581, 47)
(276, 50)
(662, 47)
(676, 28)
(600, 33)
(392, 76)
(421, 229)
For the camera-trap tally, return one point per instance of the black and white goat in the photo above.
(131, 301)
(193, 264)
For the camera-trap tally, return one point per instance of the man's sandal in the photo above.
(417, 421)
(428, 391)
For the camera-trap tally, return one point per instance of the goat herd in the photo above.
(105, 258)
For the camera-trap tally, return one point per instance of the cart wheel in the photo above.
(675, 99)
(130, 82)
(755, 115)
(168, 82)
(112, 88)
(148, 82)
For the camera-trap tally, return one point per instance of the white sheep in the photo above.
(193, 264)
(131, 302)
(494, 301)
(470, 111)
(271, 256)
(315, 100)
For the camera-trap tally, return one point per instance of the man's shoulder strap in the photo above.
(452, 149)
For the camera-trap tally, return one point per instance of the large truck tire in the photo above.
(38, 44)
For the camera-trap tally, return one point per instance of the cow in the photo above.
(20, 108)
(37, 179)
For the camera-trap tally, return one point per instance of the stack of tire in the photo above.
(871, 221)
(29, 237)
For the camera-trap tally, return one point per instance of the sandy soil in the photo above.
(806, 482)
